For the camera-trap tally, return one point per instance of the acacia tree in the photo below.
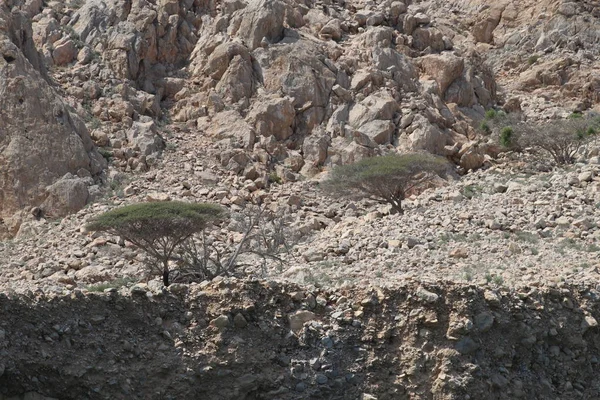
(386, 178)
(158, 228)
(178, 233)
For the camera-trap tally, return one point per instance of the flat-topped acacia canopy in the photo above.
(158, 228)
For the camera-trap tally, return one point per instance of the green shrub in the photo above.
(471, 191)
(386, 178)
(491, 114)
(506, 136)
(274, 178)
(575, 115)
(485, 127)
(533, 59)
(526, 237)
(560, 139)
(108, 155)
(115, 284)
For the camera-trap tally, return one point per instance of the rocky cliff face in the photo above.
(47, 157)
(286, 73)
(543, 52)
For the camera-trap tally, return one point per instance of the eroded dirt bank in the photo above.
(256, 340)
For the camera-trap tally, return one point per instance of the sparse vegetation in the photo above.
(468, 274)
(532, 59)
(498, 280)
(108, 155)
(115, 284)
(265, 234)
(274, 178)
(506, 136)
(470, 191)
(559, 140)
(491, 114)
(484, 126)
(526, 237)
(592, 248)
(171, 146)
(159, 228)
(387, 178)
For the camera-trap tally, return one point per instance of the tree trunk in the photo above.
(166, 277)
(396, 206)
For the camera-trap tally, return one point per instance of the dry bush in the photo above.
(559, 140)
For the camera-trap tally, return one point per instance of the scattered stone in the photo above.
(239, 321)
(484, 321)
(427, 296)
(298, 319)
(321, 379)
(459, 252)
(588, 322)
(466, 346)
(221, 322)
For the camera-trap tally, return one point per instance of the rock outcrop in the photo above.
(41, 139)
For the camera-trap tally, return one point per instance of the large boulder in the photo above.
(483, 29)
(315, 147)
(273, 117)
(377, 106)
(261, 19)
(422, 135)
(143, 136)
(377, 132)
(402, 69)
(443, 68)
(67, 195)
(300, 71)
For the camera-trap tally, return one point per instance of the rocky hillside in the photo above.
(291, 86)
(484, 289)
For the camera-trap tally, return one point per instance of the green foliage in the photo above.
(76, 4)
(386, 178)
(526, 237)
(575, 115)
(488, 277)
(468, 274)
(171, 146)
(559, 140)
(592, 248)
(157, 218)
(506, 136)
(115, 284)
(274, 178)
(491, 114)
(95, 123)
(157, 228)
(485, 127)
(108, 155)
(471, 191)
(532, 59)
